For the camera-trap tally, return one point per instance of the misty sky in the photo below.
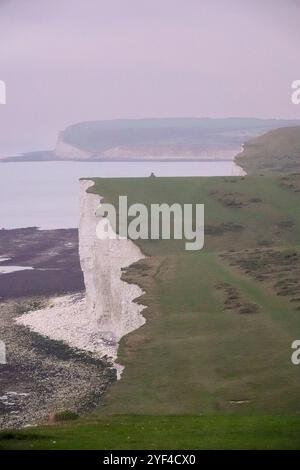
(66, 61)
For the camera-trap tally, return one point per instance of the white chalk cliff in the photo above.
(67, 151)
(97, 322)
(109, 299)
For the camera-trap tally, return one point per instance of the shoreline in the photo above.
(118, 160)
(109, 311)
(43, 376)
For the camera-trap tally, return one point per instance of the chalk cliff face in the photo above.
(171, 152)
(96, 322)
(161, 139)
(109, 299)
(66, 151)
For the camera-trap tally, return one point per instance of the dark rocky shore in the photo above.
(53, 254)
(42, 376)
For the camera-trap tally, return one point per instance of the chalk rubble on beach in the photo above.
(97, 321)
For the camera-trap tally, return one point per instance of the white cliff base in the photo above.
(238, 170)
(96, 322)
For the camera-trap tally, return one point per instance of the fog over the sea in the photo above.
(66, 61)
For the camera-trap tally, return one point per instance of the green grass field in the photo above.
(161, 432)
(199, 373)
(192, 356)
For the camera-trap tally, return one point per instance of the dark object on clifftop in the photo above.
(152, 175)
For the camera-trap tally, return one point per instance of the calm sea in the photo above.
(46, 194)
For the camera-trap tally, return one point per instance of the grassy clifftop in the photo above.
(221, 321)
(277, 152)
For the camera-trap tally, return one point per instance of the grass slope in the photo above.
(192, 356)
(161, 432)
(276, 152)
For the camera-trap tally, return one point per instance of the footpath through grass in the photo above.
(196, 355)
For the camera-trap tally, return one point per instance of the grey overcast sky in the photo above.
(66, 61)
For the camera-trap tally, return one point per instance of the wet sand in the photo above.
(53, 254)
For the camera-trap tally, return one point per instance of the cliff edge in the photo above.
(94, 322)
